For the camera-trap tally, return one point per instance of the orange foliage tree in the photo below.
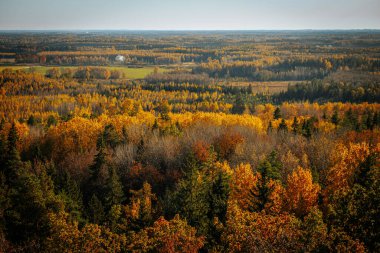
(259, 232)
(201, 151)
(227, 143)
(345, 161)
(169, 237)
(301, 194)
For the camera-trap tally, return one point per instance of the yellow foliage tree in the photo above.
(67, 237)
(242, 181)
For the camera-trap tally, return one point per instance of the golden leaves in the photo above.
(301, 194)
(345, 161)
(243, 180)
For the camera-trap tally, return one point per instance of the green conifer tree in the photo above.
(269, 169)
(95, 210)
(295, 126)
(335, 118)
(277, 113)
(13, 160)
(282, 127)
(114, 189)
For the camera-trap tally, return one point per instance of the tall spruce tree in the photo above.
(219, 190)
(238, 106)
(110, 136)
(70, 192)
(32, 198)
(98, 171)
(114, 194)
(282, 127)
(259, 195)
(270, 127)
(3, 151)
(306, 129)
(295, 125)
(357, 211)
(277, 113)
(335, 118)
(191, 198)
(218, 195)
(99, 161)
(95, 209)
(12, 159)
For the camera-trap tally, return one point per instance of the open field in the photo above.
(129, 73)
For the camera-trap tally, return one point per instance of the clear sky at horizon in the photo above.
(189, 15)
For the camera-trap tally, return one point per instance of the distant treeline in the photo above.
(272, 69)
(318, 91)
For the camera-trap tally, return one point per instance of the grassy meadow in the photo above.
(129, 72)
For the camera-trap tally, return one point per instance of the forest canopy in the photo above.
(190, 141)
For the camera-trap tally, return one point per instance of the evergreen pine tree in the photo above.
(250, 89)
(306, 129)
(351, 120)
(191, 198)
(110, 136)
(99, 161)
(259, 194)
(238, 106)
(269, 170)
(12, 160)
(276, 166)
(295, 126)
(335, 118)
(31, 120)
(125, 135)
(376, 119)
(164, 109)
(359, 207)
(282, 127)
(155, 125)
(3, 151)
(140, 150)
(71, 194)
(51, 121)
(4, 201)
(219, 192)
(114, 190)
(270, 127)
(369, 121)
(324, 116)
(97, 171)
(32, 199)
(277, 113)
(178, 126)
(95, 210)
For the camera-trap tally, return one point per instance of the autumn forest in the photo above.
(198, 141)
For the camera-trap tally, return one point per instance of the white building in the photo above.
(120, 58)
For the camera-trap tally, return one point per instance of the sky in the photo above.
(188, 14)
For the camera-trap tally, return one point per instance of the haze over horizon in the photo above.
(185, 15)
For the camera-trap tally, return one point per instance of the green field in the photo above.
(129, 73)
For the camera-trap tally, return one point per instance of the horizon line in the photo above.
(183, 30)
